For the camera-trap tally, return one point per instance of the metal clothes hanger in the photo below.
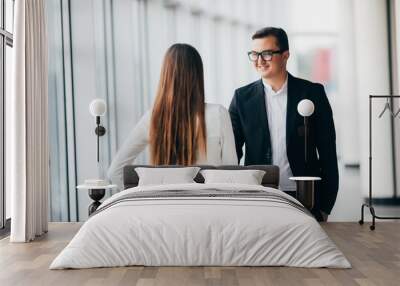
(387, 107)
(397, 113)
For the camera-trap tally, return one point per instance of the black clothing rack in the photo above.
(369, 204)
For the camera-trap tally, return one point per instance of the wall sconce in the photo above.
(306, 109)
(98, 108)
(305, 184)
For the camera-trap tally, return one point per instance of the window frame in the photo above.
(6, 39)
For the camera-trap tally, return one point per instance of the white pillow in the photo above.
(248, 177)
(164, 176)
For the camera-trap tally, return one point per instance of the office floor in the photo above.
(374, 255)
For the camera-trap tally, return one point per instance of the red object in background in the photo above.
(321, 66)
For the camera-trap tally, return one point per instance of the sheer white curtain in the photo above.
(27, 121)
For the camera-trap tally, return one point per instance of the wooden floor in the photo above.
(374, 255)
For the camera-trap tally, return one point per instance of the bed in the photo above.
(201, 224)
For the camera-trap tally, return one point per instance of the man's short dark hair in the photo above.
(279, 34)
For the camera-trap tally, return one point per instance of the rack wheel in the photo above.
(372, 227)
(361, 222)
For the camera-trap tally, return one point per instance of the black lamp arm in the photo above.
(100, 131)
(306, 145)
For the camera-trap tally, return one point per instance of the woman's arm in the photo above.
(132, 147)
(228, 156)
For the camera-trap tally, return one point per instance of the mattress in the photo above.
(201, 225)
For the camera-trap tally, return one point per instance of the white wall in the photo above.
(372, 77)
(396, 73)
(347, 107)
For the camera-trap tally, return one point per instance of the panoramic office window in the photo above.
(6, 43)
(114, 50)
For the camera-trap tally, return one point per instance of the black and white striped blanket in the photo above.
(205, 194)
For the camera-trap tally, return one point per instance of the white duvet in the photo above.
(200, 231)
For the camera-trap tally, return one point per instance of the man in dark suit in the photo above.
(265, 119)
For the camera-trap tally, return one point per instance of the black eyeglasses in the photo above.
(265, 55)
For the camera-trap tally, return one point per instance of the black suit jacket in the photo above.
(250, 127)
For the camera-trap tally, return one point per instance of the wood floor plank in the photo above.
(374, 255)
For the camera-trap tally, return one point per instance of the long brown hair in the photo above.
(178, 130)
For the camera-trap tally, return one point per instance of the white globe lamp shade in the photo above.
(97, 107)
(305, 107)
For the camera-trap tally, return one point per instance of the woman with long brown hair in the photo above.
(181, 129)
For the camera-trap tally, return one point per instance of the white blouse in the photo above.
(219, 134)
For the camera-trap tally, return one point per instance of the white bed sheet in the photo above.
(200, 231)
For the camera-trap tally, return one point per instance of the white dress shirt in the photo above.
(221, 148)
(275, 104)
